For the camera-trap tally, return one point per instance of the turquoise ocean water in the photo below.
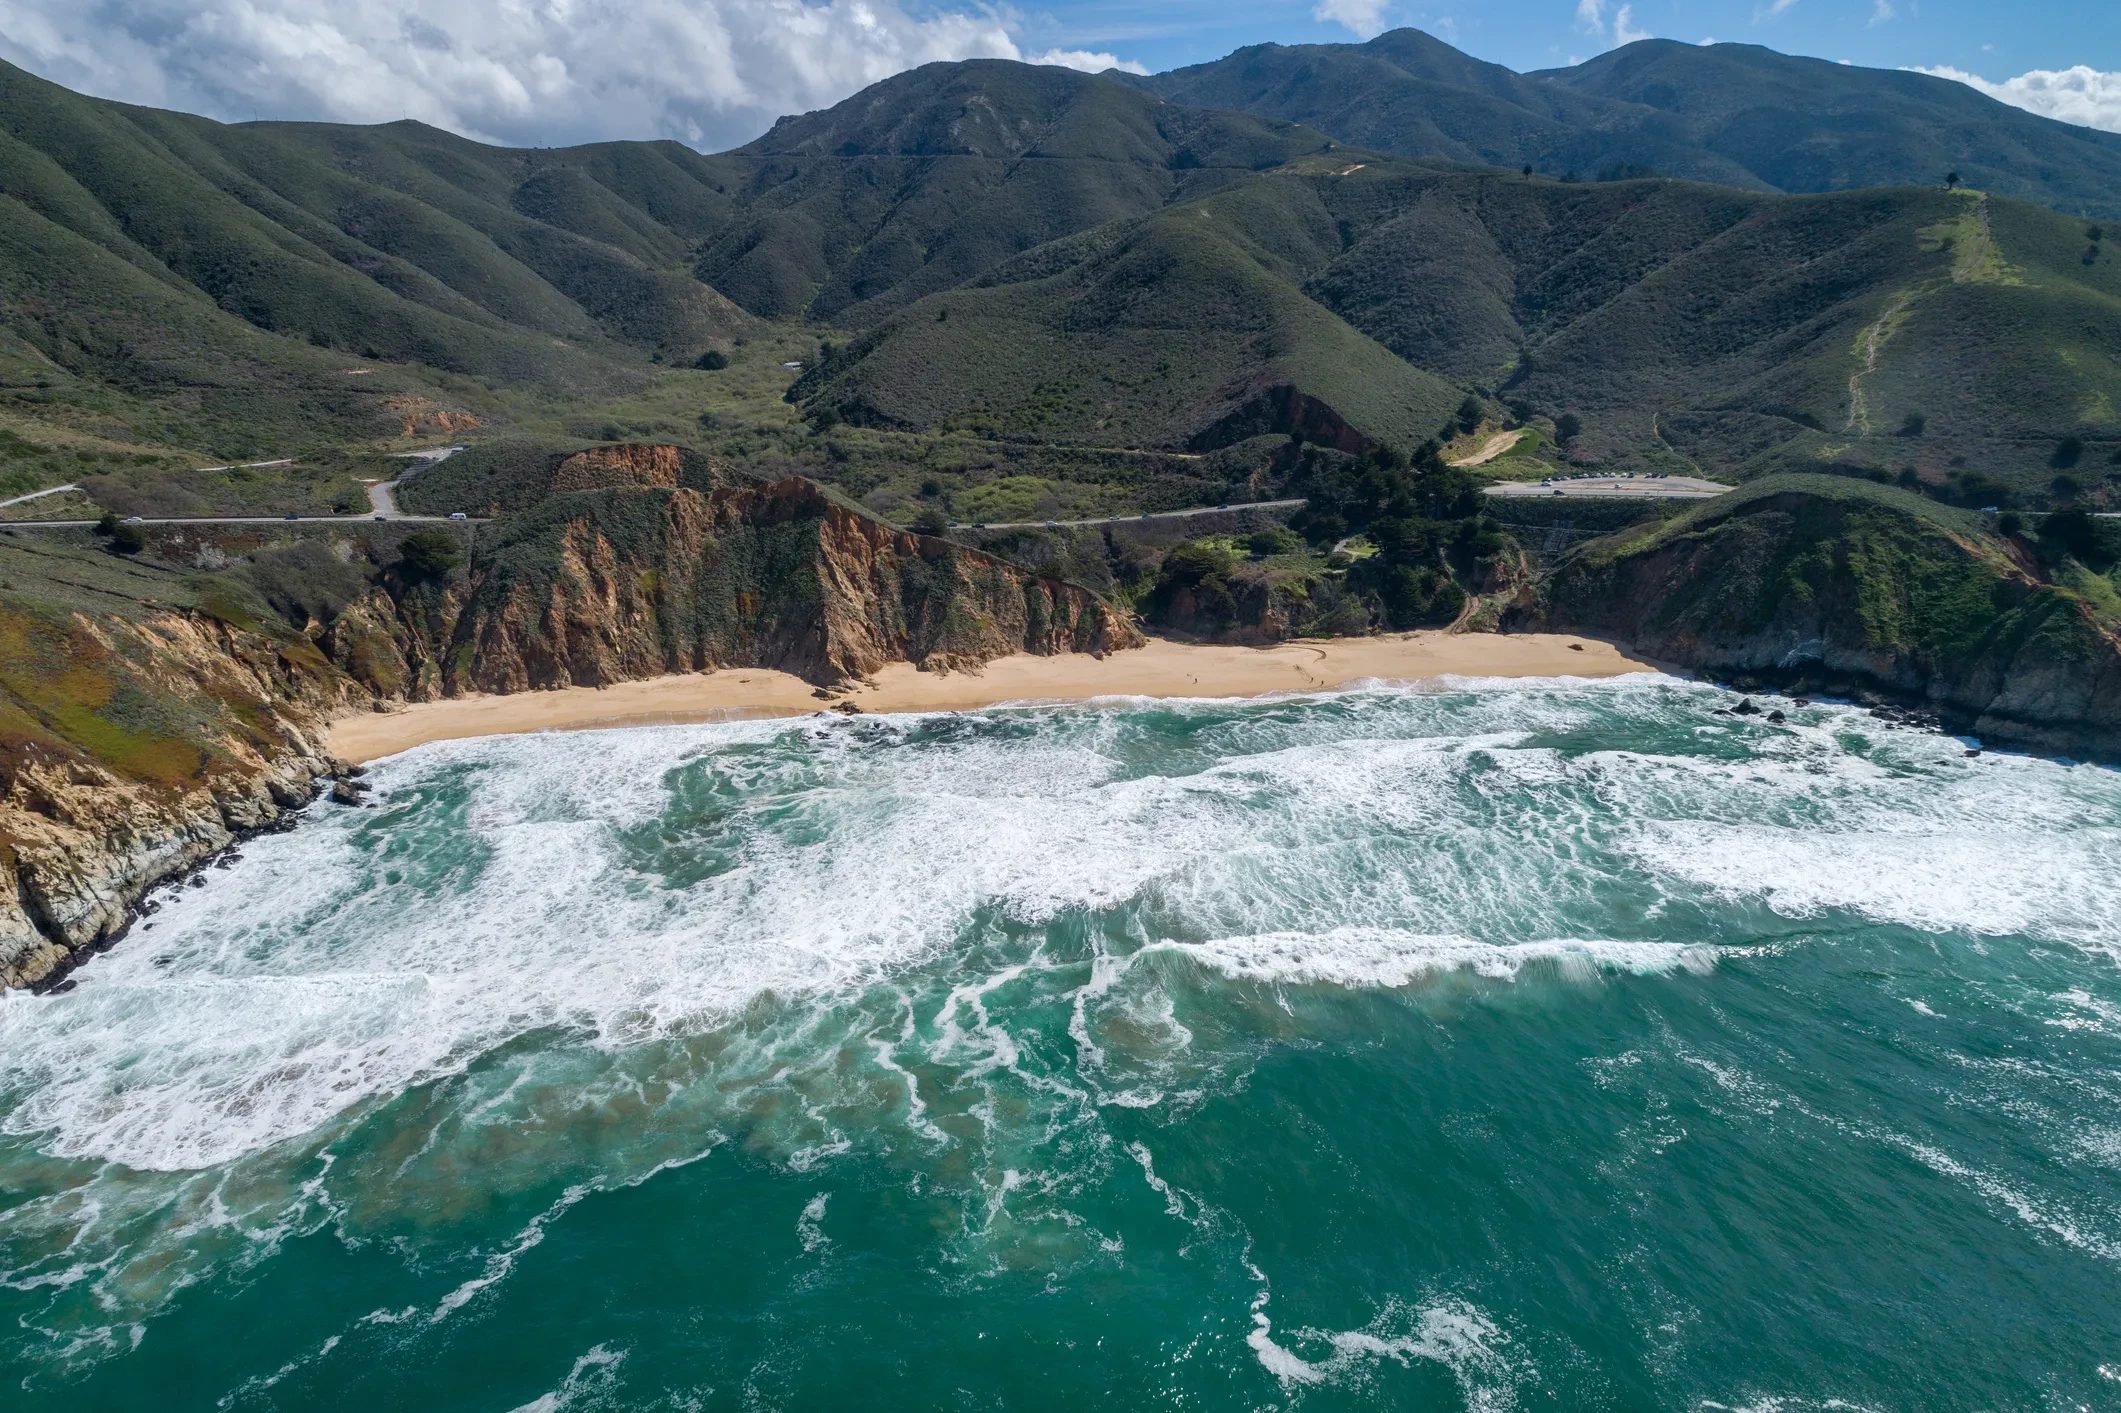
(1479, 1046)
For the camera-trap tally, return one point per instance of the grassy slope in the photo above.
(928, 179)
(1737, 321)
(1149, 336)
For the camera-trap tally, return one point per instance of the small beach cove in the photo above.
(1164, 668)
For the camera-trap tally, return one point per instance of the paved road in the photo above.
(383, 495)
(1615, 488)
(1123, 519)
(33, 495)
(241, 520)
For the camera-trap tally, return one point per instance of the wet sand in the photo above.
(1162, 669)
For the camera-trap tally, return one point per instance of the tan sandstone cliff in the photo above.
(135, 742)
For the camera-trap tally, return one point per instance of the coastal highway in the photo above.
(247, 520)
(1124, 519)
(1615, 488)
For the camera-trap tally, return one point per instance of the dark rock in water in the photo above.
(1722, 711)
(847, 709)
(1777, 717)
(344, 793)
(1974, 752)
(197, 880)
(1745, 708)
(1803, 701)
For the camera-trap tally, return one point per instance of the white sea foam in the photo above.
(1392, 957)
(1452, 1333)
(1366, 840)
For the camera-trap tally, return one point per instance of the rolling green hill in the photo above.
(926, 180)
(1736, 114)
(1685, 326)
(1017, 273)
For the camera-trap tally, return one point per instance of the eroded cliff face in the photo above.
(1821, 596)
(631, 584)
(136, 742)
(132, 749)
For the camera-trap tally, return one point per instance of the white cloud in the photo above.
(1881, 11)
(711, 73)
(1364, 17)
(2081, 95)
(1088, 62)
(1590, 15)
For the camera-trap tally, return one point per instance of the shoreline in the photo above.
(1164, 668)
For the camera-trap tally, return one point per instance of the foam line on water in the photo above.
(1392, 957)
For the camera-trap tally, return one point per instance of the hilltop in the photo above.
(1735, 114)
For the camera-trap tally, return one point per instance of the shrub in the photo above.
(108, 525)
(1567, 427)
(2010, 524)
(1277, 539)
(2068, 451)
(1913, 425)
(713, 360)
(126, 539)
(930, 521)
(2064, 488)
(427, 555)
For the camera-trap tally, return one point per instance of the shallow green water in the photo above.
(1514, 1046)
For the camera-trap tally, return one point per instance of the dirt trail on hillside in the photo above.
(1497, 445)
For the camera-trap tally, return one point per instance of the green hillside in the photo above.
(1735, 114)
(926, 180)
(1015, 292)
(1685, 327)
(1178, 331)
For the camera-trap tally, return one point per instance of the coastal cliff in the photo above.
(131, 747)
(1825, 585)
(152, 712)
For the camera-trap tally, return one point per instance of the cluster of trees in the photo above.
(1422, 516)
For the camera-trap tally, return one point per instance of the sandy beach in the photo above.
(1162, 669)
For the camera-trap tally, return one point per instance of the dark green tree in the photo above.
(427, 556)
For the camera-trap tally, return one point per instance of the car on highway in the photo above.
(458, 515)
(134, 520)
(291, 515)
(382, 517)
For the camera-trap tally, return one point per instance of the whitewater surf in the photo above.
(1477, 1045)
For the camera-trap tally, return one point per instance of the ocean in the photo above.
(1477, 1045)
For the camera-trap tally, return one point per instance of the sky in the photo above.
(716, 73)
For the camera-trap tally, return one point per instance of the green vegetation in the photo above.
(427, 556)
(1734, 114)
(1826, 583)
